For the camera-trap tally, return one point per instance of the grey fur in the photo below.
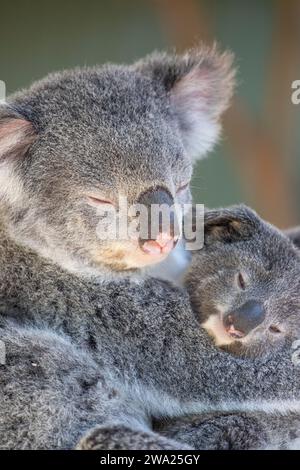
(236, 431)
(103, 131)
(89, 345)
(245, 245)
(152, 358)
(294, 235)
(209, 287)
(110, 131)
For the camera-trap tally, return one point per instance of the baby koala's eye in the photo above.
(274, 329)
(241, 281)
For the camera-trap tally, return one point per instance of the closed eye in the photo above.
(241, 281)
(274, 329)
(95, 201)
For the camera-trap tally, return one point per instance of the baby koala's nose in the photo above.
(244, 319)
(164, 243)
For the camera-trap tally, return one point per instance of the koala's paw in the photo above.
(217, 432)
(119, 437)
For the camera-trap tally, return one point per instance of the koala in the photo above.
(243, 315)
(72, 145)
(92, 347)
(78, 141)
(93, 364)
(249, 311)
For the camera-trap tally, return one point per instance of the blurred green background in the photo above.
(258, 160)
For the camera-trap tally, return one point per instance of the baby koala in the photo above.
(244, 302)
(237, 284)
(244, 289)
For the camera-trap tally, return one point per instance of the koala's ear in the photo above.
(17, 134)
(200, 84)
(230, 225)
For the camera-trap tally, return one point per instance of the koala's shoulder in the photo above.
(147, 296)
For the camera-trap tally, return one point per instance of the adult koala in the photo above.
(86, 341)
(72, 143)
(81, 138)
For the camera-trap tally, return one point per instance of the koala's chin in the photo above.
(254, 347)
(125, 256)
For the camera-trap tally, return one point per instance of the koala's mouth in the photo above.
(122, 256)
(223, 334)
(233, 332)
(230, 328)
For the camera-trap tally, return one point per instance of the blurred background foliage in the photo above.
(258, 160)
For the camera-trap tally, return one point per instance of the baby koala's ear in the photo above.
(200, 84)
(17, 134)
(230, 225)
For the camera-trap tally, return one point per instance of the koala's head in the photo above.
(245, 283)
(77, 140)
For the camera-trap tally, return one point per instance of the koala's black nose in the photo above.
(158, 230)
(244, 319)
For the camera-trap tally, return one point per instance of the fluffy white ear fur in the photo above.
(199, 98)
(16, 136)
(200, 84)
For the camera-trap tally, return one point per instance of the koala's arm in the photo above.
(235, 431)
(121, 437)
(60, 393)
(294, 235)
